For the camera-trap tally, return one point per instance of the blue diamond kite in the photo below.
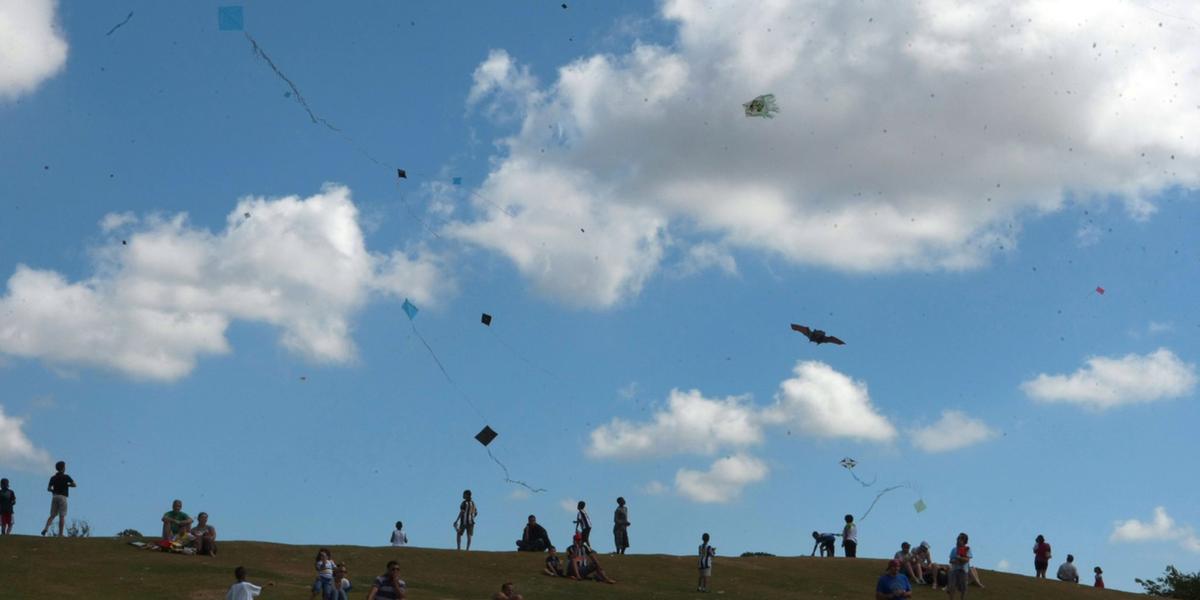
(410, 309)
(230, 18)
(457, 180)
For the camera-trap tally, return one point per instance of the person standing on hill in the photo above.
(1041, 557)
(465, 523)
(850, 537)
(960, 565)
(1099, 577)
(60, 487)
(242, 590)
(621, 526)
(8, 499)
(893, 583)
(583, 523)
(707, 553)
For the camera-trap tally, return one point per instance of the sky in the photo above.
(206, 250)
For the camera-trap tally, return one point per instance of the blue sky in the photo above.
(943, 188)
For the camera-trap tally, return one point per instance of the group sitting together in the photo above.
(582, 563)
(179, 535)
(920, 568)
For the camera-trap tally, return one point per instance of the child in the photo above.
(850, 537)
(553, 564)
(399, 538)
(242, 590)
(1099, 577)
(707, 553)
(583, 523)
(8, 498)
(465, 523)
(323, 584)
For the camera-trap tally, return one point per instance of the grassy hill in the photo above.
(98, 569)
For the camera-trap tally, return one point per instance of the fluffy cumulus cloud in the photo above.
(164, 292)
(912, 135)
(1161, 528)
(953, 431)
(32, 48)
(1104, 383)
(689, 424)
(825, 403)
(16, 450)
(723, 481)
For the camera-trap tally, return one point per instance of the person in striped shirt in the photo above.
(465, 523)
(389, 586)
(707, 553)
(583, 523)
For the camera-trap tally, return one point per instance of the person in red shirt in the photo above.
(1099, 577)
(1041, 557)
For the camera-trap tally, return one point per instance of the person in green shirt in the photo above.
(174, 520)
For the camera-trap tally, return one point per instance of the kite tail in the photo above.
(258, 51)
(877, 497)
(861, 482)
(508, 479)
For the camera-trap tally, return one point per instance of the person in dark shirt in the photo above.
(60, 485)
(534, 538)
(553, 564)
(824, 541)
(8, 499)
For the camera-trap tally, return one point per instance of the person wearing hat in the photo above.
(577, 557)
(893, 583)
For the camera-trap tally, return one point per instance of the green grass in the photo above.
(102, 568)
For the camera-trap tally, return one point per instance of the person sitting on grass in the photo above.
(893, 583)
(909, 565)
(507, 593)
(534, 537)
(825, 542)
(204, 536)
(594, 569)
(553, 566)
(930, 571)
(175, 520)
(1067, 570)
(340, 585)
(577, 556)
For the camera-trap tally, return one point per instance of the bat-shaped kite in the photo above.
(817, 336)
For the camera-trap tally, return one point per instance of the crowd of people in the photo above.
(908, 566)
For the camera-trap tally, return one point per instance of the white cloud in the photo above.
(690, 423)
(113, 221)
(705, 256)
(519, 494)
(723, 481)
(955, 430)
(1105, 383)
(1156, 327)
(1161, 528)
(1003, 565)
(818, 401)
(654, 488)
(32, 47)
(157, 304)
(16, 449)
(825, 403)
(569, 505)
(994, 111)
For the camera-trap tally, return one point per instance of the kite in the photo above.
(456, 181)
(119, 25)
(401, 173)
(486, 319)
(410, 309)
(849, 464)
(230, 18)
(919, 505)
(1100, 290)
(486, 435)
(762, 106)
(817, 336)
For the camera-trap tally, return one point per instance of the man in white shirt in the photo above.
(1067, 570)
(399, 538)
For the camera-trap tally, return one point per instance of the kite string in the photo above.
(444, 372)
(877, 497)
(121, 24)
(861, 482)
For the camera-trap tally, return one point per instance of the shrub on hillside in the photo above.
(746, 554)
(1173, 584)
(79, 529)
(130, 533)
